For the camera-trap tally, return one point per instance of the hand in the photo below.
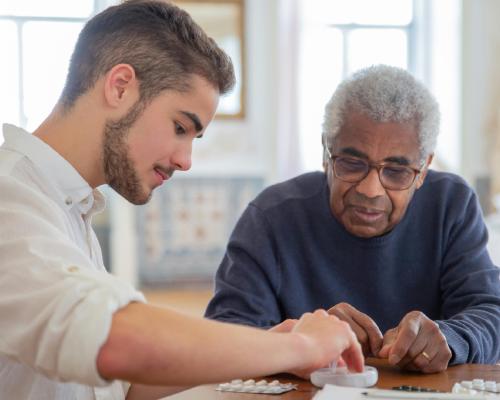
(366, 330)
(416, 344)
(286, 326)
(331, 339)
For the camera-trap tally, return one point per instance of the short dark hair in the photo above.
(159, 40)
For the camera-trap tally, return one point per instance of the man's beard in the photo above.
(119, 170)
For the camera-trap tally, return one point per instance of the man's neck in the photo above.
(76, 135)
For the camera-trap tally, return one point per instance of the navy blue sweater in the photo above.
(289, 255)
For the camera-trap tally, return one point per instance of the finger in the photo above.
(430, 351)
(353, 356)
(360, 333)
(421, 362)
(372, 335)
(372, 330)
(384, 351)
(350, 348)
(387, 342)
(415, 354)
(343, 316)
(423, 359)
(407, 333)
(440, 357)
(321, 312)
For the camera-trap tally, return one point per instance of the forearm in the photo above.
(473, 335)
(156, 346)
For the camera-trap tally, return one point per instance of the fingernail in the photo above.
(393, 359)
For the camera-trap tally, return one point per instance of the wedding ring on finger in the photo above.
(426, 356)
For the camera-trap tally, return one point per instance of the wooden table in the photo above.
(388, 377)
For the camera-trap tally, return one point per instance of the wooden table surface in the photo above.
(388, 377)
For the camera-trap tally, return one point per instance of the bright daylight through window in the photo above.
(339, 37)
(36, 41)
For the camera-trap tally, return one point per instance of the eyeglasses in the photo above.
(392, 176)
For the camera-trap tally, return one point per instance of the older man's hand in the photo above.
(366, 330)
(416, 344)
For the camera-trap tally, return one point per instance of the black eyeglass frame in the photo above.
(377, 166)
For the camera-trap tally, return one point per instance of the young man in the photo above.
(143, 83)
(396, 250)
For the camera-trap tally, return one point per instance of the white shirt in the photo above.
(56, 298)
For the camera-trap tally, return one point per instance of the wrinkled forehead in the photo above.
(362, 136)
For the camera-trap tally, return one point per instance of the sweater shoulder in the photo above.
(447, 185)
(445, 195)
(300, 188)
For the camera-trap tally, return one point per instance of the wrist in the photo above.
(302, 351)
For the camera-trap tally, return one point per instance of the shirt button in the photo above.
(72, 269)
(68, 201)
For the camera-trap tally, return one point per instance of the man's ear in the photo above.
(325, 163)
(121, 87)
(423, 173)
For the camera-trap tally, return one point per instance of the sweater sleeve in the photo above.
(470, 287)
(247, 280)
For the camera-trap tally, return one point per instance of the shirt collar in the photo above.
(70, 186)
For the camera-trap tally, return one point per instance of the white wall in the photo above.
(480, 57)
(250, 146)
(247, 146)
(229, 147)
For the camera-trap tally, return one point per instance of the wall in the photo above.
(229, 150)
(481, 86)
(249, 147)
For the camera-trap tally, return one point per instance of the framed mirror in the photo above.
(223, 20)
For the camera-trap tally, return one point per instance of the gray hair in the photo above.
(385, 94)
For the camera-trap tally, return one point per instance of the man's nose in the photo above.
(371, 186)
(181, 159)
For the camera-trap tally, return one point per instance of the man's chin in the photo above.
(365, 231)
(137, 199)
(141, 200)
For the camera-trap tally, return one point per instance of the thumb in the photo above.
(387, 342)
(384, 351)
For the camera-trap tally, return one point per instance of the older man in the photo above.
(380, 240)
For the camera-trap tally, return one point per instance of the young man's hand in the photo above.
(331, 340)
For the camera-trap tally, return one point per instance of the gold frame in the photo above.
(240, 25)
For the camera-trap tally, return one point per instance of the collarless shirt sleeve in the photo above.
(56, 307)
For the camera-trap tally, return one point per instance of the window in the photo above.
(36, 42)
(339, 37)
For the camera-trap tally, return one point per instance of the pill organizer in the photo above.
(250, 386)
(341, 376)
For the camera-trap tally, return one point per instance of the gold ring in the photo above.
(425, 355)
